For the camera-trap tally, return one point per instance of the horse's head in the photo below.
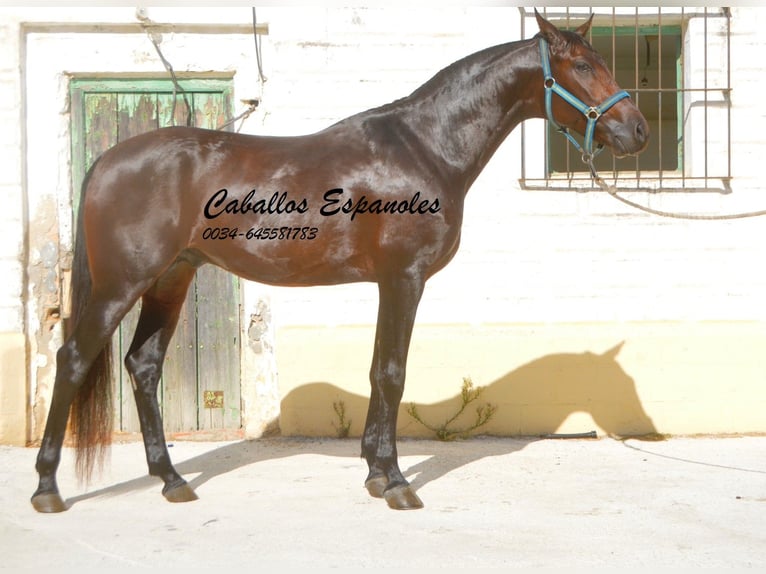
(575, 69)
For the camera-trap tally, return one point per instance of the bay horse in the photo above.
(375, 197)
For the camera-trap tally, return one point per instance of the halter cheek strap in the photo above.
(591, 113)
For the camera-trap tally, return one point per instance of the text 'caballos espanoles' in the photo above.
(334, 202)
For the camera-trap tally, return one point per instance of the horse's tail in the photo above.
(91, 412)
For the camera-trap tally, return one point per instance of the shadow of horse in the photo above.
(438, 459)
(532, 402)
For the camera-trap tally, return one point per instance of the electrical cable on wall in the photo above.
(156, 39)
(257, 40)
(251, 103)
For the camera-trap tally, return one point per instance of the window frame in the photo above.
(702, 94)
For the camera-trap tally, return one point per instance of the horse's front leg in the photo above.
(399, 298)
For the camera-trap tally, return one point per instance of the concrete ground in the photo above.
(490, 502)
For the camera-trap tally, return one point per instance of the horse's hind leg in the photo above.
(160, 309)
(74, 360)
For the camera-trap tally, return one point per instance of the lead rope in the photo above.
(612, 190)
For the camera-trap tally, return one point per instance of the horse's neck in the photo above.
(465, 111)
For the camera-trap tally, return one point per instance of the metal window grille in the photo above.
(675, 63)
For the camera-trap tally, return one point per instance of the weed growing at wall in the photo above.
(343, 427)
(468, 394)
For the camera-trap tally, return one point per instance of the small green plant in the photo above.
(343, 427)
(468, 395)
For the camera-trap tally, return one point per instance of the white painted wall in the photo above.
(526, 256)
(11, 146)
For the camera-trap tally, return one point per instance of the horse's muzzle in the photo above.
(630, 137)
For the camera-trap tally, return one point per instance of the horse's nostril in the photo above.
(641, 131)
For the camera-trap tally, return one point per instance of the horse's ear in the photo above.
(548, 30)
(614, 351)
(583, 30)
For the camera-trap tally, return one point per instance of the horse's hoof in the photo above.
(376, 486)
(402, 498)
(49, 502)
(180, 493)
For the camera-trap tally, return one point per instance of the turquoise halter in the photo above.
(591, 113)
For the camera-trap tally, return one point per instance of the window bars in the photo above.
(675, 63)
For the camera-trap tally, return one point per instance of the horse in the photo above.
(376, 197)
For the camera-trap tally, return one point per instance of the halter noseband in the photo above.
(591, 113)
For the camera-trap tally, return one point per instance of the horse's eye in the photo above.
(583, 67)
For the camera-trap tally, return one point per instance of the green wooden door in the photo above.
(200, 387)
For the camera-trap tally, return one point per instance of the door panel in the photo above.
(204, 352)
